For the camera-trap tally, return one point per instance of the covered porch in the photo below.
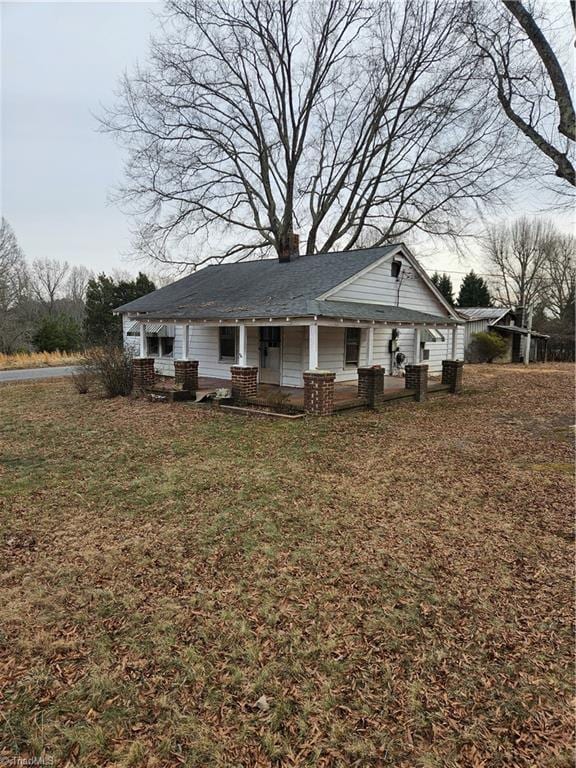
(316, 364)
(283, 349)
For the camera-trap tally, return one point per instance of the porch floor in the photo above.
(343, 390)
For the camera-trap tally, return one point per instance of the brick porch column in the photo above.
(244, 381)
(417, 378)
(371, 384)
(319, 392)
(186, 374)
(143, 371)
(452, 374)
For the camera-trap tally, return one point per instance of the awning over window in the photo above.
(152, 329)
(431, 334)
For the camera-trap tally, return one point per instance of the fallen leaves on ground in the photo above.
(184, 587)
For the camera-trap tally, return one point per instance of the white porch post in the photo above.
(185, 341)
(528, 341)
(454, 342)
(370, 346)
(242, 345)
(142, 339)
(417, 337)
(312, 347)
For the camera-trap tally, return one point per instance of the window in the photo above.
(270, 335)
(425, 354)
(167, 346)
(396, 267)
(227, 339)
(133, 329)
(153, 345)
(352, 346)
(160, 346)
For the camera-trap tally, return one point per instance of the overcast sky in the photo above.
(60, 62)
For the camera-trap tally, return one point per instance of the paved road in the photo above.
(31, 374)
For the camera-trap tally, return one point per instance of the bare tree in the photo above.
(13, 272)
(14, 283)
(77, 283)
(529, 80)
(560, 271)
(518, 254)
(48, 281)
(338, 118)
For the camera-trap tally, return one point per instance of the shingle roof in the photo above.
(268, 288)
(259, 287)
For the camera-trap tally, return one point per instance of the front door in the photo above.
(270, 347)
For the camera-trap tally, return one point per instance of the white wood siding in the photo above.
(474, 326)
(131, 343)
(439, 350)
(379, 287)
(204, 347)
(294, 355)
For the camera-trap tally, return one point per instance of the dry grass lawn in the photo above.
(397, 586)
(38, 359)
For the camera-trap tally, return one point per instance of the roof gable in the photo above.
(375, 284)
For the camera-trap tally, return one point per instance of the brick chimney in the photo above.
(290, 249)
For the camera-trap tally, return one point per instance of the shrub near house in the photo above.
(488, 346)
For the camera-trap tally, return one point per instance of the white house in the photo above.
(328, 311)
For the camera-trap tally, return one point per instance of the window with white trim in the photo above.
(160, 346)
(228, 342)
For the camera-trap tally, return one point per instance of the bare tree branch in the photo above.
(256, 118)
(529, 81)
(519, 254)
(567, 124)
(48, 280)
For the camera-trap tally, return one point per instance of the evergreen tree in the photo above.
(474, 292)
(57, 333)
(103, 295)
(444, 285)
